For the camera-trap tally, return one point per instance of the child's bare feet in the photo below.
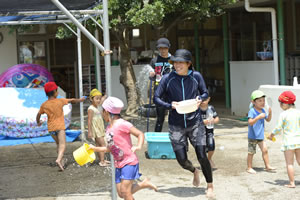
(60, 165)
(103, 164)
(251, 171)
(147, 184)
(64, 162)
(196, 180)
(290, 185)
(209, 192)
(270, 168)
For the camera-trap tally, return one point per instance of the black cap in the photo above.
(163, 42)
(181, 55)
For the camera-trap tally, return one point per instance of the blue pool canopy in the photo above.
(16, 12)
(14, 6)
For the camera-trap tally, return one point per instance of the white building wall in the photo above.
(8, 50)
(246, 76)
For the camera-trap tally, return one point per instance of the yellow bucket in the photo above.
(82, 155)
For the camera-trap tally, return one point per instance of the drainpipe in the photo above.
(274, 34)
(196, 37)
(226, 60)
(281, 42)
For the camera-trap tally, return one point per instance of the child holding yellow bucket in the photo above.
(53, 107)
(119, 144)
(96, 124)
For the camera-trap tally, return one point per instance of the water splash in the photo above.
(143, 80)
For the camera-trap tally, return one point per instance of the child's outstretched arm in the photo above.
(76, 100)
(38, 117)
(270, 115)
(98, 149)
(279, 126)
(140, 135)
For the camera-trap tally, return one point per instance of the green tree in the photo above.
(163, 15)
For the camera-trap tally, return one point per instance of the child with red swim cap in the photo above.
(53, 107)
(289, 125)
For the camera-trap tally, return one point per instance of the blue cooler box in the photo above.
(159, 145)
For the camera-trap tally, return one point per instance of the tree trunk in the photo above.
(127, 78)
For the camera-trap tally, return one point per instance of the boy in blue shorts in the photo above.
(256, 127)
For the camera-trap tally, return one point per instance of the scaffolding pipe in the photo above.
(108, 84)
(95, 21)
(57, 12)
(80, 82)
(63, 20)
(78, 24)
(12, 23)
(274, 34)
(70, 29)
(107, 46)
(97, 61)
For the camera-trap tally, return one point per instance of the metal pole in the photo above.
(97, 61)
(281, 42)
(196, 37)
(108, 85)
(107, 46)
(226, 60)
(55, 12)
(149, 107)
(78, 24)
(13, 23)
(80, 83)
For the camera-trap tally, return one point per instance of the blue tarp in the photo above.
(14, 6)
(27, 18)
(9, 9)
(71, 135)
(10, 18)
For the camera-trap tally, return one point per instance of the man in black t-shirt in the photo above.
(161, 66)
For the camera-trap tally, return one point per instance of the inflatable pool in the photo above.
(25, 76)
(18, 110)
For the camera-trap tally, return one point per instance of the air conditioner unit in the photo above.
(37, 29)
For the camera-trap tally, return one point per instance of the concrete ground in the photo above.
(28, 171)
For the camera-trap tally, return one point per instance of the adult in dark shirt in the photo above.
(161, 66)
(184, 84)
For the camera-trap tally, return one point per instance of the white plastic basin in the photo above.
(187, 106)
